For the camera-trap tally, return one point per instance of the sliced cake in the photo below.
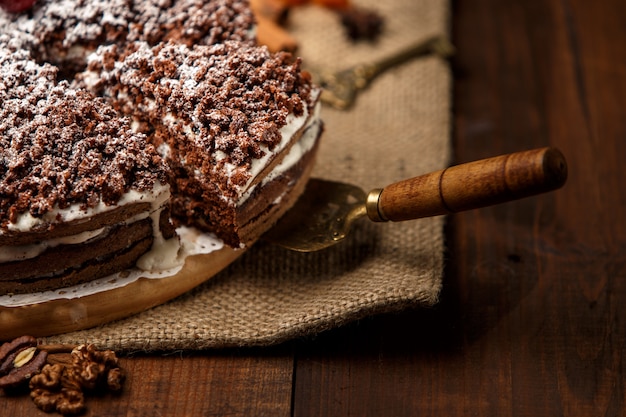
(236, 124)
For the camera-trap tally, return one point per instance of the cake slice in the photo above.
(237, 125)
(81, 195)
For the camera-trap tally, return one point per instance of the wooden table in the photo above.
(532, 319)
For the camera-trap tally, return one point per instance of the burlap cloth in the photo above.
(399, 127)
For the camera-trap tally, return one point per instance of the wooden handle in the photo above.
(472, 185)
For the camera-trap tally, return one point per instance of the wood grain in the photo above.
(177, 384)
(531, 319)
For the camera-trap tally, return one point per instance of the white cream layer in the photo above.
(27, 222)
(292, 126)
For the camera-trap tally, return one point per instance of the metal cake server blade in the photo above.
(321, 217)
(325, 213)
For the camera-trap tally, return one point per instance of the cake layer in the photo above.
(65, 260)
(273, 197)
(30, 245)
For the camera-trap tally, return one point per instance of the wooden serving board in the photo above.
(62, 315)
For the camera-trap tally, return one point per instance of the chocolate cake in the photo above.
(123, 120)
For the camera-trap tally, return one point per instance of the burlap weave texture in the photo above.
(399, 127)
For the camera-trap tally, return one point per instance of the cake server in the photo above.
(326, 211)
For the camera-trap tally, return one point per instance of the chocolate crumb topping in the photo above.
(229, 97)
(60, 146)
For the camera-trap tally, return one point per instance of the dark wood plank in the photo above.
(529, 322)
(216, 384)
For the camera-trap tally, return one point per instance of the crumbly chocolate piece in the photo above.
(192, 22)
(59, 146)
